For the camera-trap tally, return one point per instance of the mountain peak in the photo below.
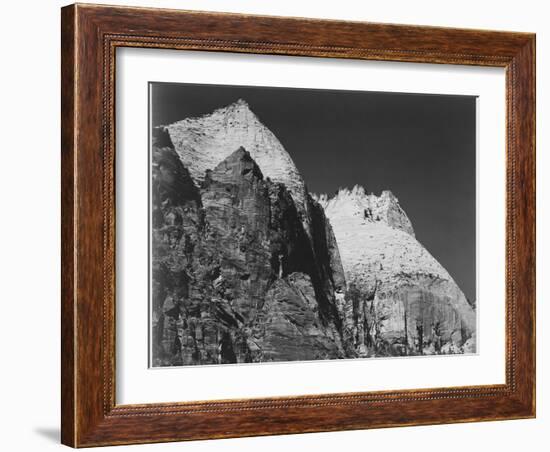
(238, 112)
(237, 166)
(203, 142)
(241, 103)
(240, 154)
(358, 203)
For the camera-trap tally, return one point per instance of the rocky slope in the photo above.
(400, 300)
(249, 267)
(235, 278)
(203, 142)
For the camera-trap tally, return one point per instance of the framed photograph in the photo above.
(280, 225)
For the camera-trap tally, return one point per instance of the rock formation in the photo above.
(205, 141)
(235, 278)
(247, 266)
(400, 300)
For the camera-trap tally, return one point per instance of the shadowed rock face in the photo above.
(235, 278)
(203, 142)
(290, 327)
(247, 266)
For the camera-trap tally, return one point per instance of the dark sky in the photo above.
(421, 147)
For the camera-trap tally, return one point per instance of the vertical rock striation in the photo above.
(247, 266)
(235, 277)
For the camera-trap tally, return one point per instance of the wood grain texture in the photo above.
(67, 226)
(90, 36)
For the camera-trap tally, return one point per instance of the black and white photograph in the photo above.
(275, 226)
(292, 224)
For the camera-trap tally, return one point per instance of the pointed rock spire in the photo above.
(203, 142)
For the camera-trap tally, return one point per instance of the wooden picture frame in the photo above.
(90, 36)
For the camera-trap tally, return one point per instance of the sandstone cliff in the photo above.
(400, 300)
(248, 266)
(204, 141)
(234, 276)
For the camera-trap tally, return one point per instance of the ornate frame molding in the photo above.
(90, 36)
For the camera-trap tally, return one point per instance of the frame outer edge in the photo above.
(525, 62)
(68, 230)
(534, 226)
(86, 420)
